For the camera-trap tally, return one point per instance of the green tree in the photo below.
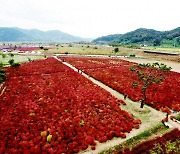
(3, 56)
(11, 61)
(157, 42)
(116, 50)
(178, 40)
(148, 74)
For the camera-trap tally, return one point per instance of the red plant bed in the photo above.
(44, 98)
(116, 74)
(27, 48)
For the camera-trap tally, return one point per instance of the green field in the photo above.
(103, 50)
(166, 49)
(19, 58)
(89, 50)
(92, 50)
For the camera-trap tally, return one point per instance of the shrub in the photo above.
(3, 55)
(11, 54)
(2, 73)
(132, 55)
(116, 50)
(11, 61)
(15, 65)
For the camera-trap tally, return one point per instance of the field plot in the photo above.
(47, 107)
(116, 74)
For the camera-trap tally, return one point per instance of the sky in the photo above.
(90, 18)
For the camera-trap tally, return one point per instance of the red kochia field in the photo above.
(47, 107)
(116, 74)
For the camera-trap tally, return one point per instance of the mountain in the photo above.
(11, 34)
(24, 35)
(143, 36)
(107, 38)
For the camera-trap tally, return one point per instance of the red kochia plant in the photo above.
(115, 73)
(48, 107)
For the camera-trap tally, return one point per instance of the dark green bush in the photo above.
(2, 73)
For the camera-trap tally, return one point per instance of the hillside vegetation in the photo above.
(143, 36)
(24, 35)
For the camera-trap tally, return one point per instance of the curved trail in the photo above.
(149, 116)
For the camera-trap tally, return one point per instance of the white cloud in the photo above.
(90, 18)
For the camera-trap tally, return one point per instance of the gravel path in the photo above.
(149, 116)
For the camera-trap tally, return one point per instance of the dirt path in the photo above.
(175, 65)
(149, 116)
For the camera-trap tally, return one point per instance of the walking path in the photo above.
(174, 65)
(149, 116)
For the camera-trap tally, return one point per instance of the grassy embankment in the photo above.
(156, 130)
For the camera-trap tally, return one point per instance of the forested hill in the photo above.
(18, 35)
(143, 36)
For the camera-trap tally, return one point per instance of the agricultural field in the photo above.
(159, 96)
(109, 51)
(47, 107)
(105, 50)
(82, 49)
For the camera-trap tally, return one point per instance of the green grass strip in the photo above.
(130, 143)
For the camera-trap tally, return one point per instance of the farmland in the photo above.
(89, 77)
(50, 99)
(48, 107)
(158, 96)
